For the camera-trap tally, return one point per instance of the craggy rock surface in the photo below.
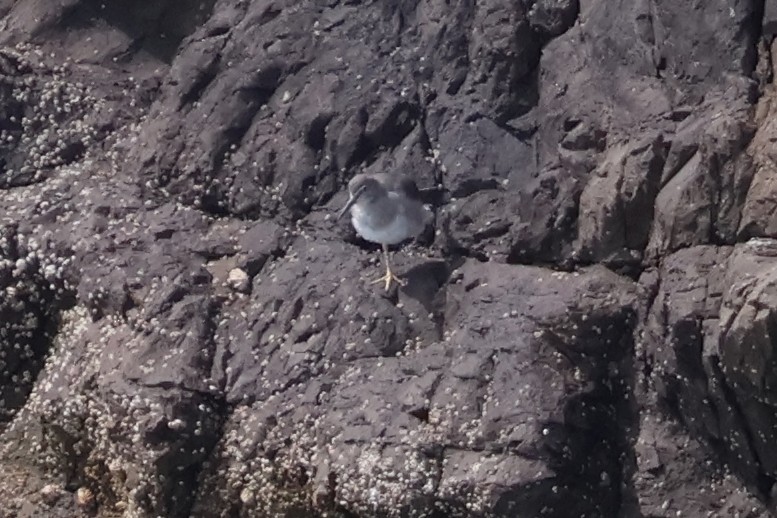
(588, 329)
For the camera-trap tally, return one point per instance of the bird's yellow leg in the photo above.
(389, 274)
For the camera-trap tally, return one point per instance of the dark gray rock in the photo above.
(757, 215)
(746, 349)
(433, 423)
(705, 180)
(612, 228)
(191, 333)
(684, 356)
(667, 471)
(32, 296)
(770, 19)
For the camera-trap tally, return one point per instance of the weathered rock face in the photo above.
(185, 330)
(478, 413)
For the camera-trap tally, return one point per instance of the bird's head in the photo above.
(361, 187)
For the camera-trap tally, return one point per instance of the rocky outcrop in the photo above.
(496, 409)
(187, 331)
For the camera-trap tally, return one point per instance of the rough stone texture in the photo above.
(669, 481)
(682, 346)
(746, 344)
(491, 416)
(613, 228)
(32, 296)
(185, 330)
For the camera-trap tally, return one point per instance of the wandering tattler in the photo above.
(386, 209)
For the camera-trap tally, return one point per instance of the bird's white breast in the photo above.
(395, 231)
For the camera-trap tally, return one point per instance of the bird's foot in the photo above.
(388, 278)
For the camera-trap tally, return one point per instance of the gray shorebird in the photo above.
(386, 209)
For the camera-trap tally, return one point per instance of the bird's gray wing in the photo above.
(434, 196)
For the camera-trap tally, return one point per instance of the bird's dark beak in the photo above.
(353, 199)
